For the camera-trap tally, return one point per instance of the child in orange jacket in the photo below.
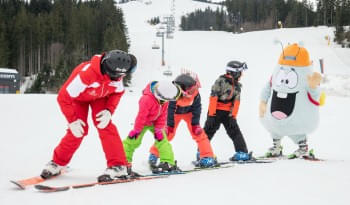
(223, 108)
(187, 108)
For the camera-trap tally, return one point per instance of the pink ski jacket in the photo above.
(86, 84)
(151, 112)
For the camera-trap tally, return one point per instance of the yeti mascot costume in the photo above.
(290, 101)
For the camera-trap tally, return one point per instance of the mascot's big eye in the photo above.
(291, 79)
(280, 78)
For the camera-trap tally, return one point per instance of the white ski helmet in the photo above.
(166, 91)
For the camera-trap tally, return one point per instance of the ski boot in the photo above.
(112, 173)
(301, 152)
(198, 156)
(276, 150)
(152, 160)
(51, 169)
(207, 162)
(312, 154)
(131, 173)
(165, 167)
(241, 156)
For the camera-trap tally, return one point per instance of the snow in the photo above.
(32, 125)
(7, 70)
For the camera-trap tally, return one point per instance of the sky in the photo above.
(32, 125)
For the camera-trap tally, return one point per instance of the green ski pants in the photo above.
(166, 153)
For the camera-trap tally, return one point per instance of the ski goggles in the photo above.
(238, 69)
(133, 69)
(190, 91)
(115, 76)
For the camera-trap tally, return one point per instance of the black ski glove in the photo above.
(232, 123)
(210, 123)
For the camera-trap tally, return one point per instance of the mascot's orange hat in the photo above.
(294, 55)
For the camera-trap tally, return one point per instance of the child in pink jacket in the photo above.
(152, 115)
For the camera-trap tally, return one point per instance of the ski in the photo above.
(309, 157)
(195, 169)
(291, 157)
(47, 189)
(220, 165)
(24, 183)
(251, 161)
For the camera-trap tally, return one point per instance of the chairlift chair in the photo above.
(168, 72)
(155, 45)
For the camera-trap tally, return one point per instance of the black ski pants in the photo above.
(213, 123)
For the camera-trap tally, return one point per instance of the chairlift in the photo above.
(168, 72)
(155, 45)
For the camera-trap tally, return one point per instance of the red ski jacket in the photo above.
(86, 84)
(151, 112)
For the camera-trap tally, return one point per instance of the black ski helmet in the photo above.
(235, 68)
(116, 63)
(185, 81)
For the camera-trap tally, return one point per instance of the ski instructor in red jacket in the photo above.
(98, 84)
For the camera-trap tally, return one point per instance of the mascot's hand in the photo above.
(314, 80)
(262, 108)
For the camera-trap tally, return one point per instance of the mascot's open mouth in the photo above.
(282, 104)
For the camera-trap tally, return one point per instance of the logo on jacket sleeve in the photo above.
(118, 85)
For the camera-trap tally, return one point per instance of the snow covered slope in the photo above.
(32, 125)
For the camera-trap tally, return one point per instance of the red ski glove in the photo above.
(158, 134)
(197, 130)
(134, 134)
(169, 130)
